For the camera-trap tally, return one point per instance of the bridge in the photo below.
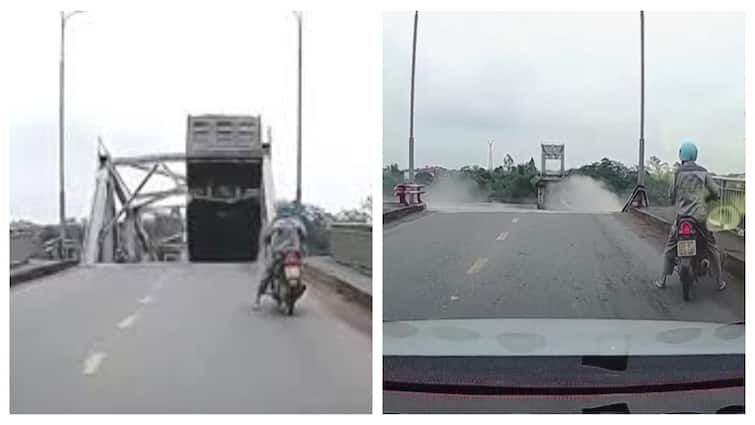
(560, 258)
(165, 325)
(556, 259)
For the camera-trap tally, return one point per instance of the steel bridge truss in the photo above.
(115, 231)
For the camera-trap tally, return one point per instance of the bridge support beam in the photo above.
(106, 239)
(129, 239)
(103, 209)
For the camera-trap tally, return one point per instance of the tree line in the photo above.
(513, 183)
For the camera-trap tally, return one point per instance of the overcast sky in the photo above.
(574, 78)
(133, 76)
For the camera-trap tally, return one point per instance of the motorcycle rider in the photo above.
(692, 186)
(286, 232)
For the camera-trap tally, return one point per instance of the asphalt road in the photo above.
(182, 338)
(493, 261)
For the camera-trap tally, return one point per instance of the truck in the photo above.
(229, 181)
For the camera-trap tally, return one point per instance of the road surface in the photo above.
(181, 338)
(493, 260)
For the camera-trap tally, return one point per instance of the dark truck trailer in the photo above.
(224, 176)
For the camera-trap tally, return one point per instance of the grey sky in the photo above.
(525, 78)
(134, 75)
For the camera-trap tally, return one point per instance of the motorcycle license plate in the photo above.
(292, 272)
(686, 248)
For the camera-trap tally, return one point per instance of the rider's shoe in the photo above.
(660, 284)
(721, 285)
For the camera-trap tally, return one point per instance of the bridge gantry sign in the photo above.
(551, 151)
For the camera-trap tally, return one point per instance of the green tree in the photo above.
(508, 163)
(531, 168)
(658, 168)
(392, 176)
(316, 221)
(423, 177)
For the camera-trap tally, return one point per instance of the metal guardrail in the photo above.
(729, 211)
(71, 248)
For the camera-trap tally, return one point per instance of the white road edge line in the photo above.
(146, 300)
(515, 219)
(478, 265)
(128, 321)
(502, 236)
(93, 362)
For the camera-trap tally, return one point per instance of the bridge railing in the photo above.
(71, 249)
(729, 211)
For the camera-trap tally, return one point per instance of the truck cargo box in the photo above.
(224, 178)
(224, 136)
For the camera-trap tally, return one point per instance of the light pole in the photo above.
(639, 197)
(411, 105)
(490, 155)
(298, 115)
(641, 165)
(61, 124)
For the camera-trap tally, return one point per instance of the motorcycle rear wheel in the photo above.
(686, 275)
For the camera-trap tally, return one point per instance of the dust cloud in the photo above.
(581, 193)
(452, 190)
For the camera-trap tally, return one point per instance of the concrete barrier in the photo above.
(345, 280)
(22, 245)
(32, 271)
(351, 244)
(394, 214)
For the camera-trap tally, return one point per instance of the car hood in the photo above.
(560, 337)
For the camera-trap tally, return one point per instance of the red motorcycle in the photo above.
(288, 285)
(691, 254)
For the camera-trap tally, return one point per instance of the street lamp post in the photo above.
(298, 114)
(411, 105)
(641, 165)
(61, 125)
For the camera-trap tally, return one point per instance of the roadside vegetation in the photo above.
(517, 183)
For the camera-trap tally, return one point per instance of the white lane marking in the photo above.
(128, 321)
(477, 266)
(454, 298)
(515, 220)
(146, 300)
(93, 362)
(502, 236)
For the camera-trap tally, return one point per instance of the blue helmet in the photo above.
(688, 151)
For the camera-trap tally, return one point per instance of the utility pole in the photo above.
(411, 106)
(641, 165)
(298, 113)
(61, 127)
(490, 155)
(639, 197)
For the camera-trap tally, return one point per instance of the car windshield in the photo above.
(512, 186)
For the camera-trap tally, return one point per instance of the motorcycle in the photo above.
(288, 285)
(690, 262)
